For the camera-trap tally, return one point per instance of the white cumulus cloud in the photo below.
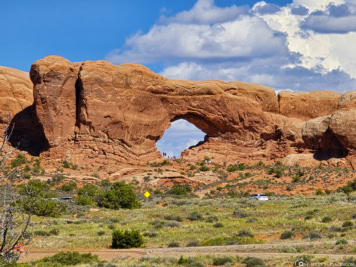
(306, 45)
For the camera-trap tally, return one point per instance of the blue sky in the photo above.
(297, 45)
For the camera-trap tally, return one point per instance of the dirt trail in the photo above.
(258, 250)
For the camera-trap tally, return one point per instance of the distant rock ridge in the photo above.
(99, 114)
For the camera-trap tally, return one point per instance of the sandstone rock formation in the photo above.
(16, 92)
(119, 112)
(308, 105)
(101, 114)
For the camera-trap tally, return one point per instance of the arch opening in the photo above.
(178, 137)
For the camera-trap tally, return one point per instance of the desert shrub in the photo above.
(173, 244)
(326, 219)
(319, 192)
(173, 218)
(251, 220)
(308, 217)
(33, 188)
(88, 190)
(204, 168)
(41, 233)
(287, 235)
(232, 168)
(70, 258)
(221, 261)
(84, 200)
(100, 233)
(239, 214)
(54, 232)
(18, 161)
(212, 219)
(120, 195)
(194, 243)
(180, 189)
(253, 262)
(114, 220)
(157, 224)
(347, 224)
(42, 207)
(278, 173)
(313, 236)
(173, 224)
(150, 234)
(335, 229)
(245, 233)
(195, 216)
(161, 164)
(126, 239)
(218, 225)
(70, 187)
(105, 183)
(341, 242)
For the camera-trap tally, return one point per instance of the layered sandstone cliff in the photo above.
(101, 114)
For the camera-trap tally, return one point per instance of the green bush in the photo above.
(70, 187)
(84, 200)
(348, 224)
(70, 258)
(232, 168)
(173, 218)
(18, 161)
(120, 195)
(253, 262)
(194, 243)
(212, 219)
(245, 233)
(195, 216)
(287, 235)
(41, 233)
(313, 236)
(221, 261)
(326, 219)
(204, 168)
(180, 189)
(42, 207)
(218, 225)
(100, 233)
(54, 232)
(239, 214)
(341, 242)
(66, 164)
(126, 239)
(173, 245)
(319, 192)
(33, 188)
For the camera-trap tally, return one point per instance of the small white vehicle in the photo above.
(260, 197)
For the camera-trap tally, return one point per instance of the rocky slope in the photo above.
(99, 114)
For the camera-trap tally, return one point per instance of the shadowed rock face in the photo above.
(99, 113)
(16, 112)
(16, 92)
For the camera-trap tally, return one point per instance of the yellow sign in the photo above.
(147, 194)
